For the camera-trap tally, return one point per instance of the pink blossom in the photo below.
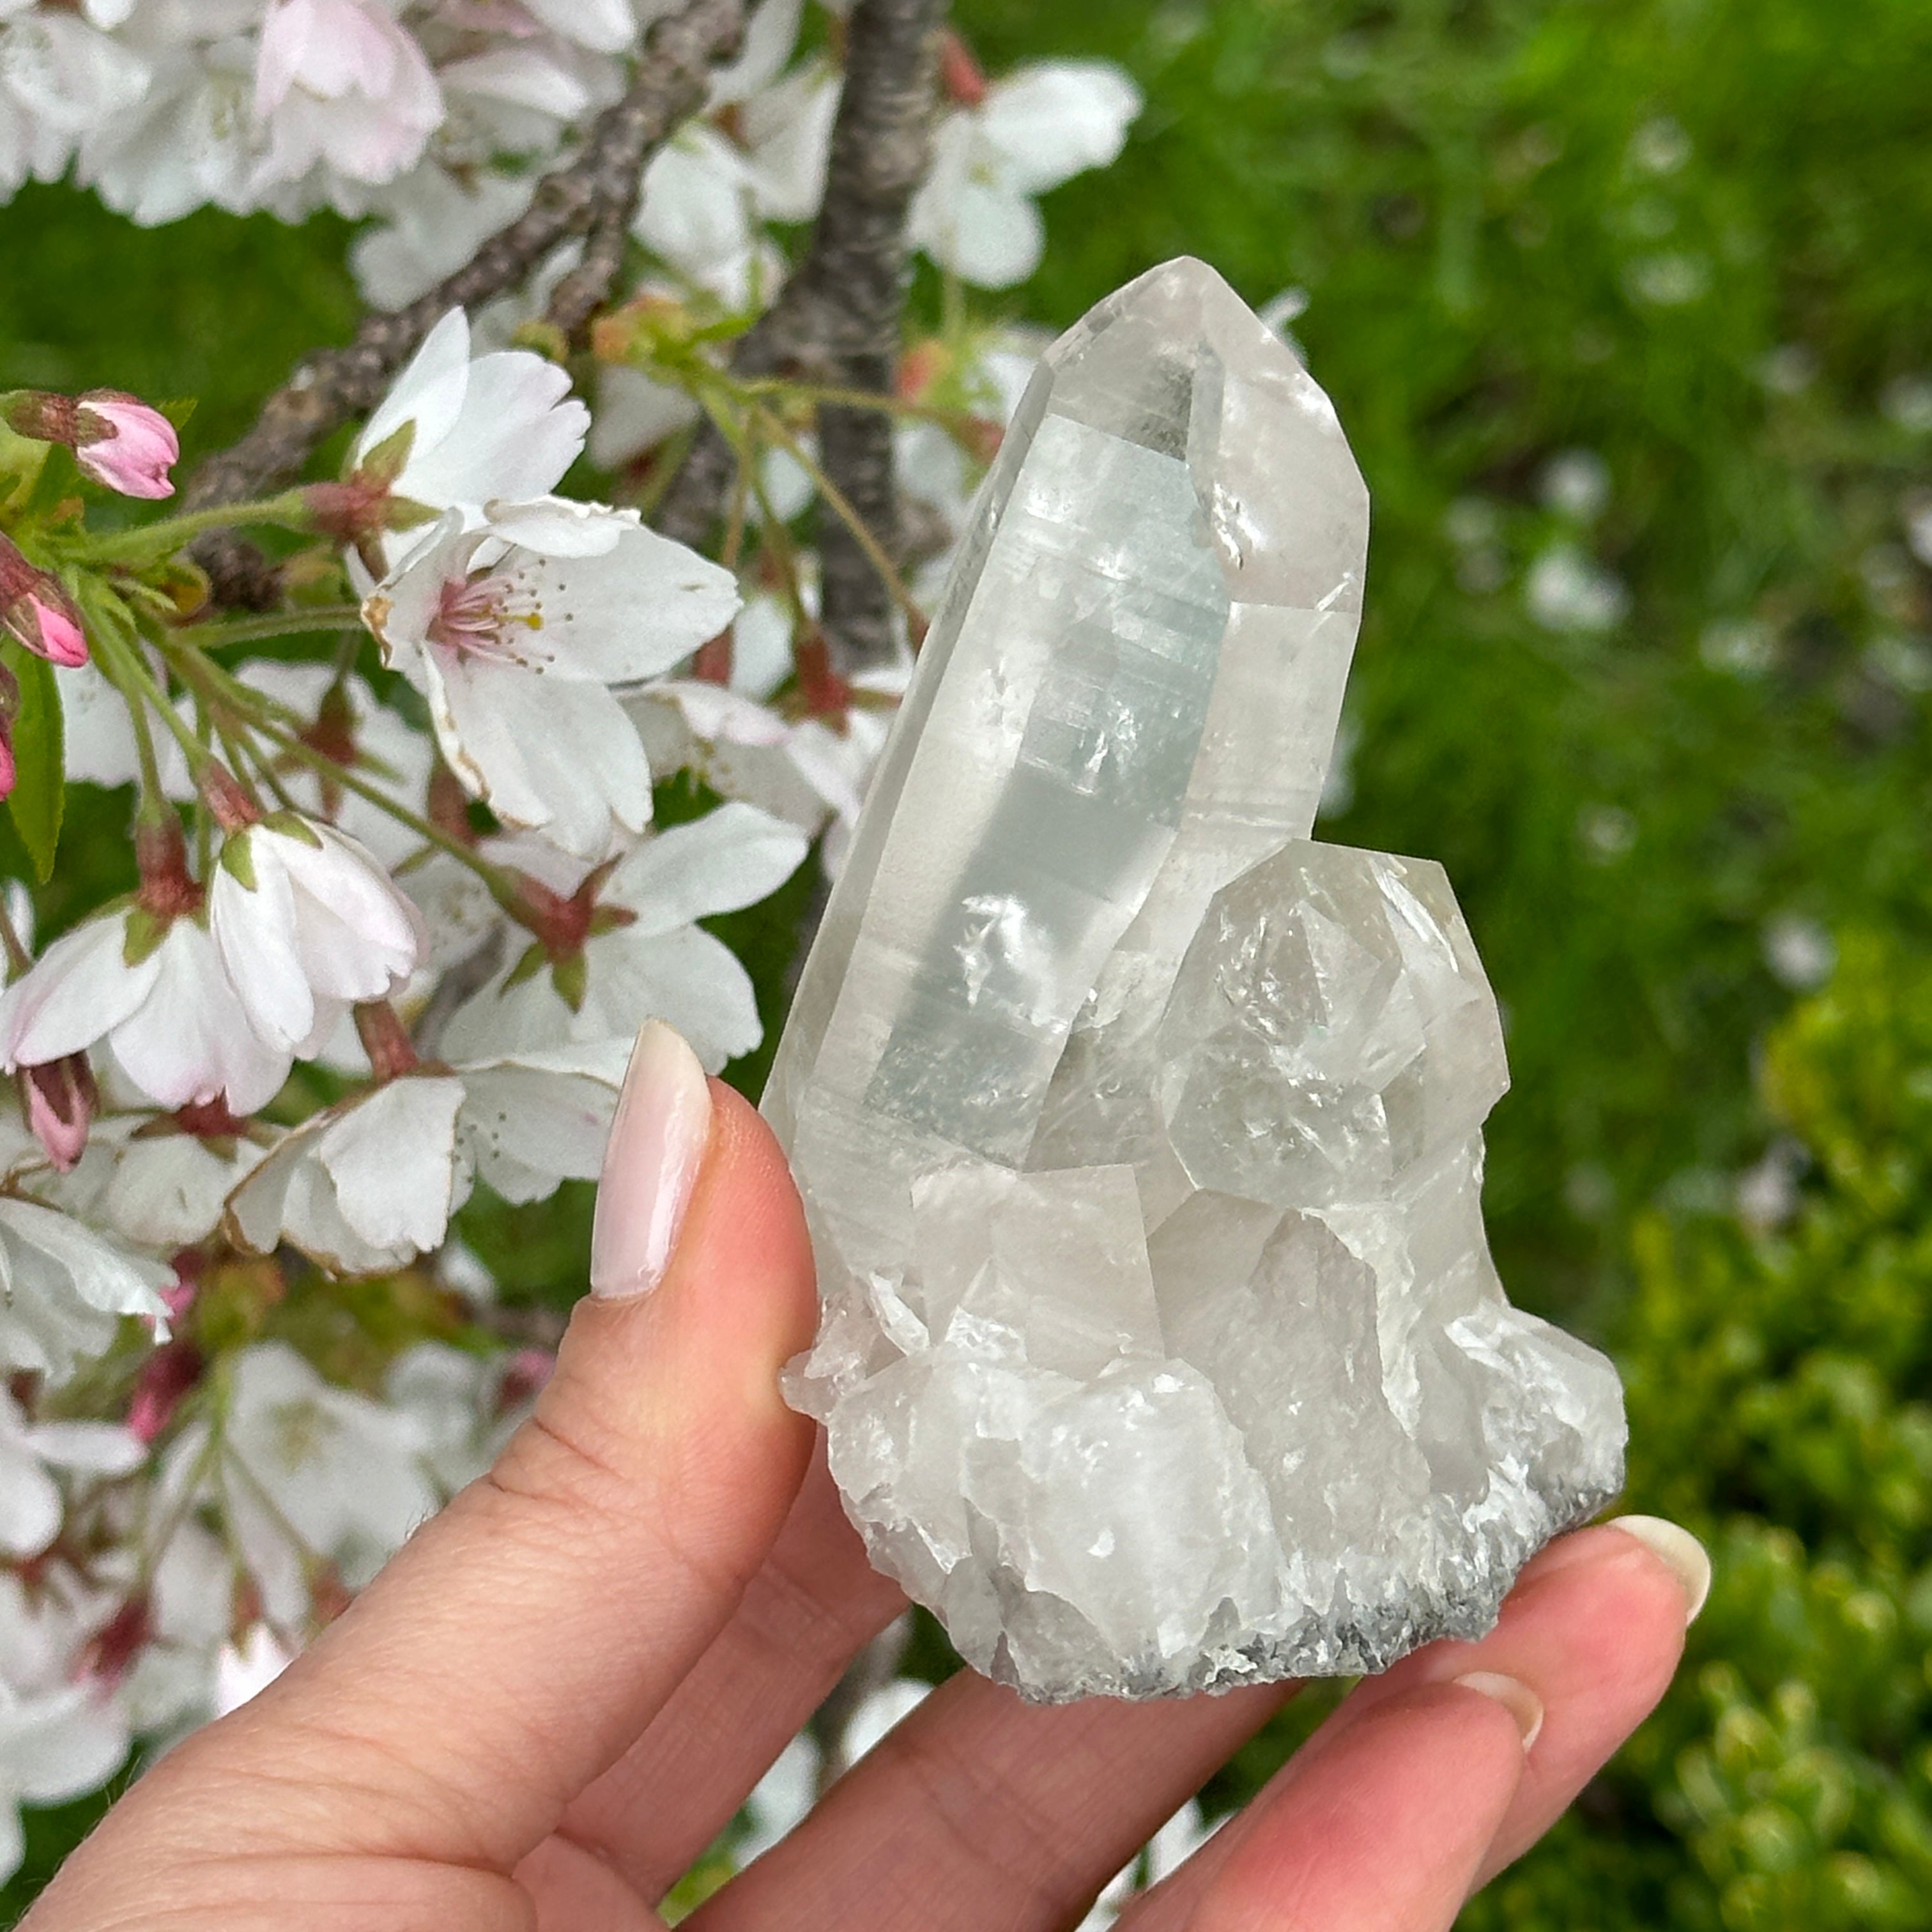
(58, 1098)
(119, 441)
(36, 612)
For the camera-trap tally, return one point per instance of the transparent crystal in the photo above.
(1140, 1135)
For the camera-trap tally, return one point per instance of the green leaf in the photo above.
(40, 782)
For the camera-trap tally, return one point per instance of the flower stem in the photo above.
(122, 664)
(275, 624)
(774, 426)
(172, 533)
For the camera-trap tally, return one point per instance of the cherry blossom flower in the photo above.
(974, 214)
(787, 130)
(30, 1497)
(610, 26)
(503, 426)
(370, 1184)
(60, 76)
(160, 1180)
(646, 957)
(342, 83)
(303, 1471)
(307, 922)
(152, 986)
(514, 635)
(66, 1284)
(191, 139)
(697, 213)
(813, 770)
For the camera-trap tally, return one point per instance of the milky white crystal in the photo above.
(1140, 1134)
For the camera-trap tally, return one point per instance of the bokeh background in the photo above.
(1623, 304)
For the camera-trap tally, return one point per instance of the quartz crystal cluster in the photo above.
(1141, 1134)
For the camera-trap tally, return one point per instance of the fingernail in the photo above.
(656, 1147)
(1517, 1699)
(1686, 1556)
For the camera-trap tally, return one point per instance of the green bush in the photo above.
(1774, 1382)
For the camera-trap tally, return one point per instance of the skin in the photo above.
(559, 1691)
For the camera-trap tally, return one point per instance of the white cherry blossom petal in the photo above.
(78, 989)
(30, 1502)
(1053, 121)
(191, 1040)
(392, 1158)
(731, 858)
(58, 1744)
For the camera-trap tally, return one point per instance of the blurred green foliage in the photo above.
(1623, 306)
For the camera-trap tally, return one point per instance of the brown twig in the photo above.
(598, 188)
(837, 320)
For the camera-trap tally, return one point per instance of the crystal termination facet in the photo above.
(1140, 1134)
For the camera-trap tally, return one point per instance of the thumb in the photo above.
(522, 1639)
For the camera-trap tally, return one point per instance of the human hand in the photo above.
(559, 1692)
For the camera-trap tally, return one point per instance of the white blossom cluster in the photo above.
(438, 117)
(388, 946)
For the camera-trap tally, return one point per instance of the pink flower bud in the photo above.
(9, 709)
(166, 1376)
(116, 438)
(961, 78)
(36, 612)
(120, 441)
(58, 1098)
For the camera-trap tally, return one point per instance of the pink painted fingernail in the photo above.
(1517, 1699)
(657, 1145)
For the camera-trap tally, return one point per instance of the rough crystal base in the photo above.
(1141, 1134)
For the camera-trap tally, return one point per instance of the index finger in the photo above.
(518, 1644)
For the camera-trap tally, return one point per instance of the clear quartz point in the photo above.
(1140, 1135)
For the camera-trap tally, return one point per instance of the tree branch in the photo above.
(588, 195)
(837, 320)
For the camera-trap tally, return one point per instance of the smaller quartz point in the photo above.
(1140, 1133)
